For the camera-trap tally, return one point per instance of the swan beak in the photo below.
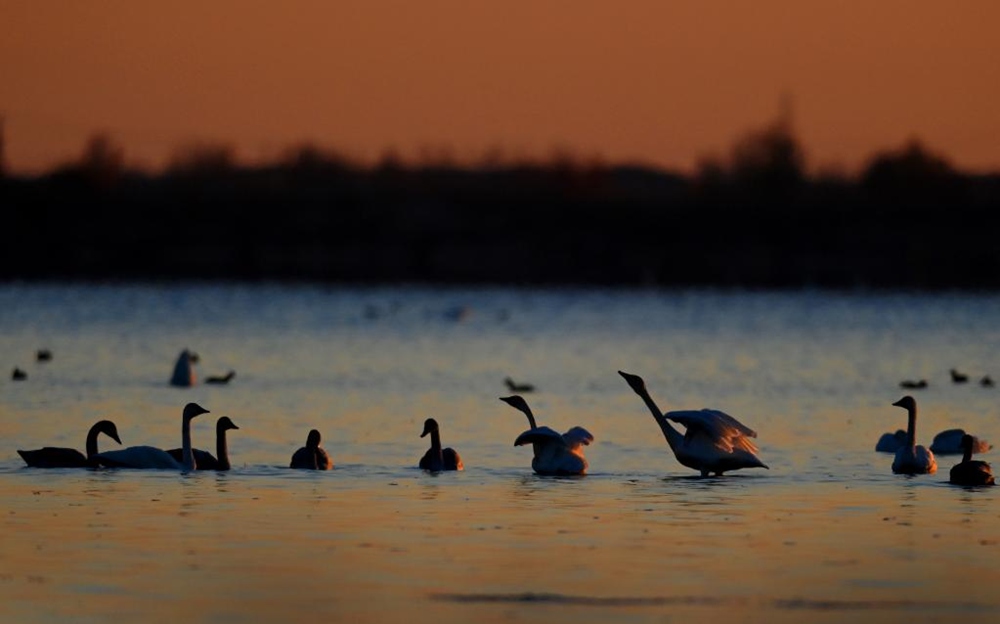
(426, 431)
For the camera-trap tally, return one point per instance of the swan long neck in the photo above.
(436, 444)
(187, 453)
(222, 449)
(911, 427)
(967, 453)
(674, 437)
(92, 441)
(531, 417)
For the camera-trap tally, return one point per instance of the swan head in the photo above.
(193, 409)
(109, 429)
(907, 403)
(430, 426)
(224, 424)
(516, 401)
(313, 440)
(634, 381)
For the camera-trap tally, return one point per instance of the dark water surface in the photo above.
(827, 534)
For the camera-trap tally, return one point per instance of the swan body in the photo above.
(950, 442)
(436, 458)
(555, 453)
(713, 441)
(311, 456)
(58, 457)
(153, 457)
(183, 375)
(891, 442)
(970, 471)
(912, 458)
(203, 459)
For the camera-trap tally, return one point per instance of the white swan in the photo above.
(184, 370)
(58, 457)
(437, 458)
(555, 453)
(713, 442)
(204, 460)
(912, 458)
(950, 442)
(970, 471)
(311, 456)
(152, 457)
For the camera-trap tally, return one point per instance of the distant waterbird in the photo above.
(221, 379)
(518, 387)
(957, 377)
(184, 375)
(909, 384)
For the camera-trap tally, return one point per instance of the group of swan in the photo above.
(912, 458)
(713, 442)
(184, 458)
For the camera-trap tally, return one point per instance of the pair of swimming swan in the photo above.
(184, 458)
(912, 458)
(713, 442)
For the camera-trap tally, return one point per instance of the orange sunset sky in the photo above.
(656, 82)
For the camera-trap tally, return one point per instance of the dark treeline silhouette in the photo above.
(754, 219)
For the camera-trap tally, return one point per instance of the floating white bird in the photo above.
(184, 370)
(311, 456)
(152, 457)
(203, 459)
(969, 471)
(950, 442)
(555, 453)
(891, 442)
(912, 458)
(58, 457)
(437, 458)
(714, 442)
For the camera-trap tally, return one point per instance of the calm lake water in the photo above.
(828, 534)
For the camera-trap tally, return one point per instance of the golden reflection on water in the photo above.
(826, 535)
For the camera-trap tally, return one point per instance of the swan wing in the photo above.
(715, 427)
(138, 457)
(540, 435)
(577, 436)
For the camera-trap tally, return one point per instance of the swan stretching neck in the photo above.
(713, 442)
